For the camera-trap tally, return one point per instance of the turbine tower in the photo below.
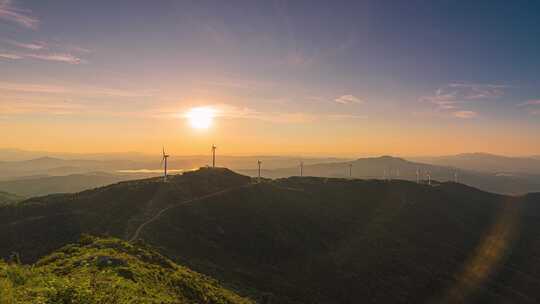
(350, 170)
(259, 162)
(417, 176)
(428, 177)
(301, 168)
(164, 163)
(214, 156)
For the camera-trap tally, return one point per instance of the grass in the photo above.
(108, 271)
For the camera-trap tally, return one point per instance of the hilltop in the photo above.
(109, 271)
(398, 168)
(115, 210)
(308, 239)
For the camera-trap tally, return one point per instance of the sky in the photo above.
(336, 78)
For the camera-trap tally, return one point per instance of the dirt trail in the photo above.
(192, 200)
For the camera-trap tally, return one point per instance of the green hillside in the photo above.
(108, 271)
(308, 239)
(40, 225)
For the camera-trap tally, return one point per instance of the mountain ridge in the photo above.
(301, 239)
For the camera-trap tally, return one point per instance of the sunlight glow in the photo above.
(201, 117)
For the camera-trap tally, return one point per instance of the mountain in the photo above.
(398, 168)
(487, 163)
(115, 210)
(109, 271)
(9, 198)
(37, 186)
(54, 166)
(308, 239)
(46, 166)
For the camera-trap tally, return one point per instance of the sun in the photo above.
(201, 117)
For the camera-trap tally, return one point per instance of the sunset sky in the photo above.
(280, 77)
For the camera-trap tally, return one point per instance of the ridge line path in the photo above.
(191, 200)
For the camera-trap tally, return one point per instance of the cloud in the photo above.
(66, 58)
(348, 99)
(57, 57)
(9, 12)
(10, 56)
(31, 88)
(465, 114)
(49, 107)
(532, 102)
(449, 99)
(29, 46)
(455, 93)
(478, 91)
(34, 50)
(72, 90)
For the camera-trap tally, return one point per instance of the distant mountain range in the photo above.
(387, 167)
(500, 174)
(304, 240)
(37, 186)
(485, 162)
(115, 164)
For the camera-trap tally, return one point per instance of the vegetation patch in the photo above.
(98, 270)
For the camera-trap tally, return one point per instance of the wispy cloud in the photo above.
(465, 114)
(49, 107)
(10, 56)
(9, 12)
(72, 90)
(29, 46)
(449, 99)
(58, 57)
(37, 50)
(470, 91)
(31, 88)
(348, 99)
(532, 102)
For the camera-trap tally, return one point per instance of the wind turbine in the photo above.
(350, 170)
(214, 156)
(428, 177)
(259, 162)
(164, 163)
(301, 168)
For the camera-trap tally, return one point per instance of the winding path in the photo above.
(162, 211)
